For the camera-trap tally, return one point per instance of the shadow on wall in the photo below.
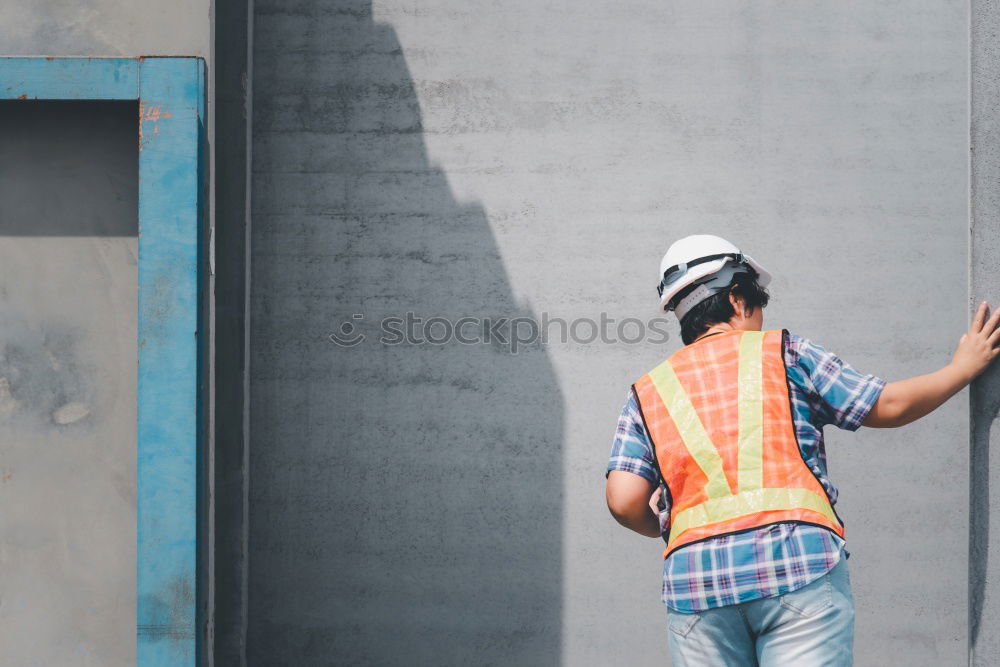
(68, 168)
(405, 500)
(984, 407)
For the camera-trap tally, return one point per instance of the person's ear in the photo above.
(738, 304)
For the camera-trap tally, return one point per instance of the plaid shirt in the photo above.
(775, 559)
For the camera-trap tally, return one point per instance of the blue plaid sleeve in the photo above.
(842, 395)
(632, 451)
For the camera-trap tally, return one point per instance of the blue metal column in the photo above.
(172, 115)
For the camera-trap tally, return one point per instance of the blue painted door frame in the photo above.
(172, 189)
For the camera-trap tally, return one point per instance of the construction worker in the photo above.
(719, 451)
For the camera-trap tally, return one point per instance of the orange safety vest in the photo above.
(720, 418)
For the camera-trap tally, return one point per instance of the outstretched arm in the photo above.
(908, 400)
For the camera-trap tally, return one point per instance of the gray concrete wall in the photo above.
(444, 504)
(405, 501)
(105, 28)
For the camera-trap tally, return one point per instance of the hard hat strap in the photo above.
(716, 283)
(677, 270)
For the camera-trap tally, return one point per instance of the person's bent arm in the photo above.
(906, 401)
(629, 500)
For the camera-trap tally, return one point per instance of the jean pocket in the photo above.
(681, 623)
(810, 599)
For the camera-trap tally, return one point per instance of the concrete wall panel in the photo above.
(404, 499)
(444, 505)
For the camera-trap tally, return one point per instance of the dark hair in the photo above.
(717, 308)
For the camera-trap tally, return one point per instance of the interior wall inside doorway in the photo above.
(68, 287)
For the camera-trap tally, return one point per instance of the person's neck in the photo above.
(721, 327)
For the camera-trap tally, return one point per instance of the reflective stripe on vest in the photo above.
(800, 498)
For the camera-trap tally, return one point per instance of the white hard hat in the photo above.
(705, 259)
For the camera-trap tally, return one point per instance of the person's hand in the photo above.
(658, 505)
(978, 348)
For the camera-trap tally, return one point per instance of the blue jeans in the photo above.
(811, 626)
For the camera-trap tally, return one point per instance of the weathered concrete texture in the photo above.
(444, 505)
(405, 500)
(68, 243)
(984, 543)
(105, 28)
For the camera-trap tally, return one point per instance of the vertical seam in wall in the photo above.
(248, 218)
(970, 553)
